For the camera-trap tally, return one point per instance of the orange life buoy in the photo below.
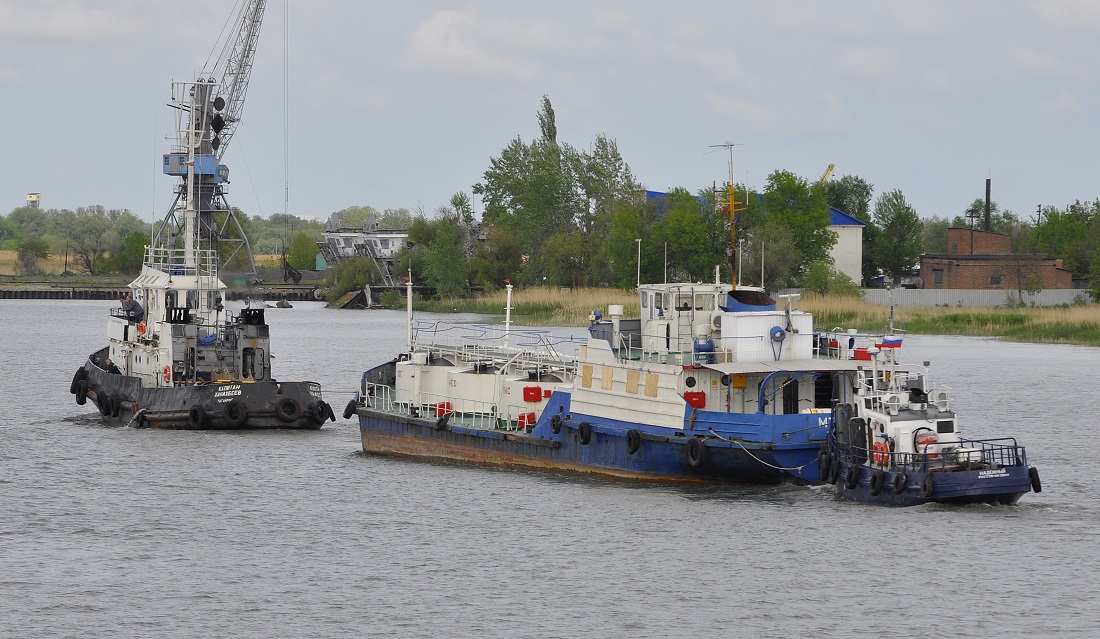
(881, 454)
(141, 327)
(167, 374)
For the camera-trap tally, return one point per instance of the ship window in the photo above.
(683, 302)
(790, 396)
(659, 300)
(645, 297)
(704, 302)
(945, 426)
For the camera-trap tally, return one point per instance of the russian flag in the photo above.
(890, 341)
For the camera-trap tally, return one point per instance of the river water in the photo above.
(120, 532)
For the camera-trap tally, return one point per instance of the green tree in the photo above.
(32, 249)
(498, 257)
(934, 235)
(688, 227)
(91, 236)
(772, 245)
(444, 258)
(851, 194)
(900, 237)
(821, 278)
(129, 259)
(303, 252)
(622, 247)
(793, 202)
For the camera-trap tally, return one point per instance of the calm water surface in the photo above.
(119, 532)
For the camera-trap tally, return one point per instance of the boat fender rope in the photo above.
(757, 459)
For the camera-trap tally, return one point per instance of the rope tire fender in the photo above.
(878, 480)
(196, 417)
(633, 441)
(585, 433)
(349, 410)
(899, 483)
(288, 409)
(696, 452)
(853, 477)
(235, 413)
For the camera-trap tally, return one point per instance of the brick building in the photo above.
(983, 260)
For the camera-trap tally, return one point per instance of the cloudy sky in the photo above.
(402, 104)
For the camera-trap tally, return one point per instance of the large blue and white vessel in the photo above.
(713, 383)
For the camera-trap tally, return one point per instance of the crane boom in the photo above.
(236, 68)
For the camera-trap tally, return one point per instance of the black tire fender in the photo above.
(288, 409)
(196, 417)
(928, 486)
(82, 392)
(834, 471)
(235, 413)
(349, 410)
(585, 433)
(899, 483)
(878, 480)
(1033, 475)
(103, 403)
(555, 424)
(633, 441)
(696, 452)
(441, 423)
(824, 466)
(853, 476)
(77, 376)
(115, 406)
(318, 410)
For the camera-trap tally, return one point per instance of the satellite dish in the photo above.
(219, 103)
(217, 122)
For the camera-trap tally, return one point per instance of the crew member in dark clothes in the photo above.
(110, 367)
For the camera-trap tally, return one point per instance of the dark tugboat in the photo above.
(898, 443)
(176, 358)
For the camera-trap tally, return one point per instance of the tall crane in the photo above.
(208, 112)
(828, 172)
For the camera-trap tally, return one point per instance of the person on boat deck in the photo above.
(132, 309)
(110, 367)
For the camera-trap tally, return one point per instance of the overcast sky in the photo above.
(402, 104)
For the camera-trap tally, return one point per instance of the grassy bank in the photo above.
(1067, 325)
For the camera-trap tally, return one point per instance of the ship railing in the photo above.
(175, 261)
(472, 343)
(964, 454)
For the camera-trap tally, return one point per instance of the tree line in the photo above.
(559, 215)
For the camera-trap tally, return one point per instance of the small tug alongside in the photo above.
(898, 443)
(177, 358)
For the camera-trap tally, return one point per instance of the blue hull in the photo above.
(584, 444)
(1003, 486)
